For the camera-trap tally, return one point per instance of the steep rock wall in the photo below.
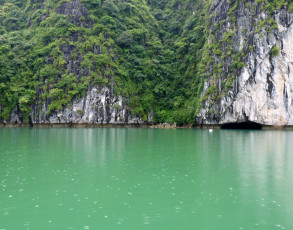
(75, 10)
(99, 106)
(262, 89)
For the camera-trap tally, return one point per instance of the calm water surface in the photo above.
(130, 179)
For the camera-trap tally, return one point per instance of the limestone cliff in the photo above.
(98, 107)
(138, 62)
(97, 103)
(251, 75)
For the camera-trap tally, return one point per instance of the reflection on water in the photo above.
(121, 178)
(261, 164)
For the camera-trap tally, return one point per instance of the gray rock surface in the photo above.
(98, 107)
(262, 91)
(75, 10)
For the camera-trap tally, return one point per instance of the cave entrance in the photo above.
(242, 125)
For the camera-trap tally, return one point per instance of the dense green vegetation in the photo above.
(147, 50)
(155, 53)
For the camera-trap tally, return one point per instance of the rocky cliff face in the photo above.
(98, 107)
(87, 50)
(251, 75)
(75, 10)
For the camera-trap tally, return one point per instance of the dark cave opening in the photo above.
(242, 125)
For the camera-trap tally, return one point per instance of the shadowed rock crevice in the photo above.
(242, 125)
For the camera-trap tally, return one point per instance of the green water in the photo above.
(120, 178)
